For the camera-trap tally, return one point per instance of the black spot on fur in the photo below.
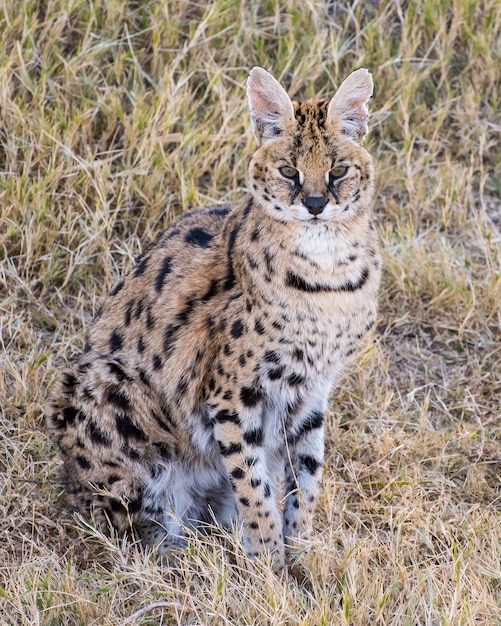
(170, 337)
(238, 473)
(182, 386)
(117, 371)
(245, 501)
(233, 448)
(139, 310)
(83, 462)
(258, 327)
(219, 210)
(128, 312)
(116, 341)
(198, 237)
(150, 320)
(314, 420)
(164, 450)
(310, 463)
(237, 329)
(295, 380)
(118, 399)
(254, 437)
(211, 292)
(267, 490)
(140, 345)
(69, 414)
(255, 482)
(164, 271)
(70, 381)
(224, 415)
(97, 435)
(270, 356)
(250, 396)
(114, 292)
(139, 270)
(128, 429)
(157, 362)
(276, 373)
(230, 280)
(144, 378)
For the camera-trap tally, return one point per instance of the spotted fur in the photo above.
(207, 372)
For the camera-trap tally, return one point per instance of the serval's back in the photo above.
(207, 372)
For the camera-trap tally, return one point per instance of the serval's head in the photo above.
(311, 164)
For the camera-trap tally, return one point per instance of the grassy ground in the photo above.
(116, 117)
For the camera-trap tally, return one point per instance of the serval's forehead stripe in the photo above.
(311, 129)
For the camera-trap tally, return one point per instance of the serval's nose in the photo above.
(315, 204)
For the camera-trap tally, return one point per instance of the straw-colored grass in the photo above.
(115, 118)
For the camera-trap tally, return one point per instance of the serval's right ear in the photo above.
(269, 104)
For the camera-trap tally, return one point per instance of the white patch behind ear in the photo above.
(350, 103)
(269, 104)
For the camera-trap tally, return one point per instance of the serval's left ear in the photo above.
(349, 105)
(270, 106)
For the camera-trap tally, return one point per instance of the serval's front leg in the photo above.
(240, 439)
(303, 474)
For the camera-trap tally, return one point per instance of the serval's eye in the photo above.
(338, 172)
(288, 172)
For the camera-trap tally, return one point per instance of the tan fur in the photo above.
(207, 372)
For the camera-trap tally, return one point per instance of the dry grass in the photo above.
(116, 117)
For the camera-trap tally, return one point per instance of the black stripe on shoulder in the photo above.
(229, 283)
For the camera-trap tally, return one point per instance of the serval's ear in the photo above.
(349, 105)
(269, 104)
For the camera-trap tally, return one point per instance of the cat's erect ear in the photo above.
(270, 106)
(349, 105)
